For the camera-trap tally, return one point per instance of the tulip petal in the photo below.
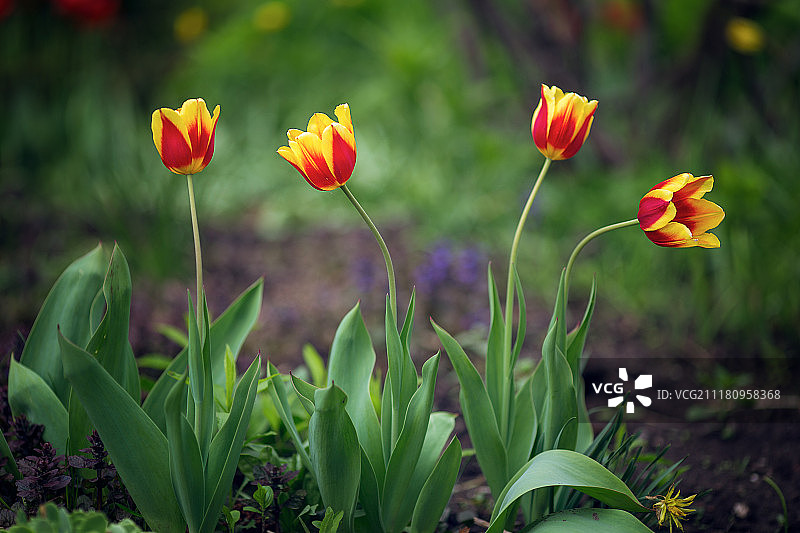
(698, 215)
(316, 169)
(317, 124)
(209, 150)
(339, 151)
(172, 140)
(342, 113)
(656, 210)
(579, 139)
(673, 234)
(674, 184)
(695, 187)
(705, 240)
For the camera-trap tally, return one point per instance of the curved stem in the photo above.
(198, 255)
(585, 241)
(510, 291)
(384, 249)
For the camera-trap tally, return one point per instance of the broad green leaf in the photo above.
(5, 451)
(437, 490)
(369, 495)
(496, 358)
(330, 522)
(200, 378)
(223, 455)
(230, 377)
(590, 521)
(185, 461)
(315, 364)
(305, 393)
(335, 452)
(110, 345)
(402, 372)
(576, 338)
(280, 399)
(386, 419)
(478, 414)
(350, 366)
(28, 394)
(136, 445)
(67, 308)
(560, 404)
(564, 468)
(396, 506)
(409, 371)
(230, 329)
(440, 426)
(521, 325)
(523, 428)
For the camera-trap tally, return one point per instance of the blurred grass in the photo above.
(441, 95)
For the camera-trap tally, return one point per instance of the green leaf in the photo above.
(523, 428)
(335, 452)
(396, 506)
(496, 381)
(521, 325)
(315, 364)
(110, 346)
(263, 496)
(350, 366)
(440, 426)
(5, 451)
(560, 402)
(280, 400)
(136, 445)
(68, 307)
(28, 394)
(305, 393)
(402, 371)
(478, 414)
(576, 339)
(230, 377)
(226, 447)
(590, 521)
(330, 522)
(436, 492)
(185, 461)
(201, 379)
(230, 329)
(564, 468)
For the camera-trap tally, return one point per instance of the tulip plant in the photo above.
(398, 466)
(390, 469)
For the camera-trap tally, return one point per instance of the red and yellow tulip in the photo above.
(325, 154)
(184, 137)
(561, 123)
(674, 214)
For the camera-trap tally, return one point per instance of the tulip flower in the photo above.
(674, 214)
(561, 123)
(325, 154)
(184, 137)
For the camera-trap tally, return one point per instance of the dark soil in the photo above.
(312, 279)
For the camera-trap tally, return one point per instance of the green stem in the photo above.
(585, 241)
(198, 256)
(510, 294)
(384, 249)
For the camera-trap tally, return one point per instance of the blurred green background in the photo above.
(441, 94)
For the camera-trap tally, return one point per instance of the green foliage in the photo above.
(398, 454)
(52, 519)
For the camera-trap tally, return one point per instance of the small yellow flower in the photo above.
(745, 36)
(672, 509)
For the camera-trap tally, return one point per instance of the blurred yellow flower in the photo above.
(744, 35)
(191, 24)
(272, 16)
